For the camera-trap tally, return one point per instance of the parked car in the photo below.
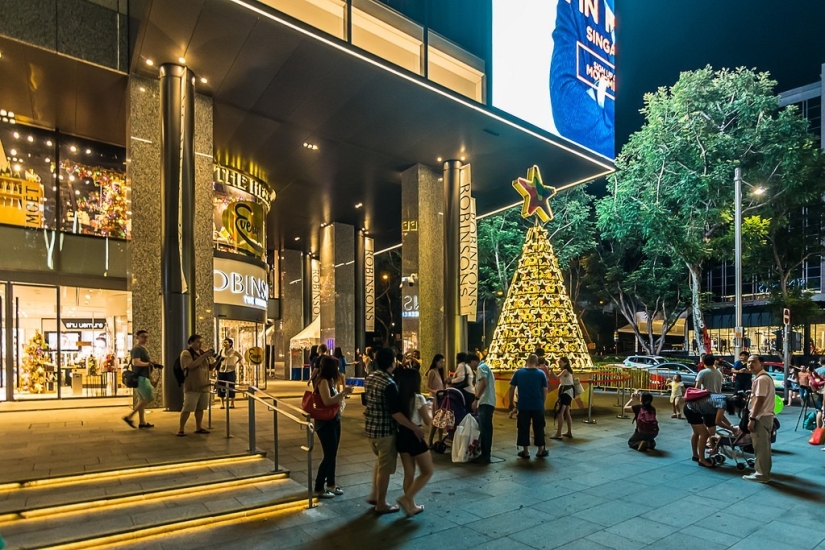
(643, 361)
(663, 372)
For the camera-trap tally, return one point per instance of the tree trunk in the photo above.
(698, 321)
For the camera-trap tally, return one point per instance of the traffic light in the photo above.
(786, 316)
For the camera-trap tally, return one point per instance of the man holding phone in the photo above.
(196, 364)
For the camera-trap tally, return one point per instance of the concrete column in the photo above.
(422, 230)
(338, 287)
(292, 303)
(360, 304)
(171, 290)
(455, 324)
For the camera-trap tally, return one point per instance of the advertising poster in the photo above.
(554, 67)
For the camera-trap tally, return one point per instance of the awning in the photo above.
(678, 329)
(310, 336)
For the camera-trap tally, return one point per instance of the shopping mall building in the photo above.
(231, 167)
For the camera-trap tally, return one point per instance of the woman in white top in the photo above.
(567, 391)
(413, 450)
(229, 359)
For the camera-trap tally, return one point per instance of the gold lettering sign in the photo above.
(21, 202)
(244, 223)
(239, 180)
(255, 355)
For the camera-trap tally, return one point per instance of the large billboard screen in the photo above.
(554, 67)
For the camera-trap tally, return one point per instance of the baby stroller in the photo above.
(737, 447)
(450, 407)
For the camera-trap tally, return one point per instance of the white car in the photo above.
(644, 361)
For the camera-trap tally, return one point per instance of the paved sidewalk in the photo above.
(592, 492)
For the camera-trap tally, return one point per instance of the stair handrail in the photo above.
(275, 407)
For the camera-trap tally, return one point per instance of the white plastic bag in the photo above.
(465, 440)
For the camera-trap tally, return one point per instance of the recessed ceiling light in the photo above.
(13, 152)
(3, 112)
(182, 60)
(311, 146)
(30, 139)
(462, 159)
(88, 151)
(203, 80)
(438, 159)
(150, 62)
(48, 160)
(16, 135)
(73, 149)
(297, 238)
(359, 205)
(142, 89)
(49, 143)
(17, 167)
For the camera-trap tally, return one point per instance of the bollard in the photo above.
(590, 419)
(253, 447)
(310, 436)
(275, 433)
(622, 414)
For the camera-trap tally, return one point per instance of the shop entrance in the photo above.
(60, 341)
(246, 335)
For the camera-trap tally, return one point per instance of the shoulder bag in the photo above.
(128, 377)
(313, 405)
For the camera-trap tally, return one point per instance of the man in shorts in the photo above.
(142, 366)
(382, 415)
(196, 364)
(760, 422)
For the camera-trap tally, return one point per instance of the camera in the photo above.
(411, 280)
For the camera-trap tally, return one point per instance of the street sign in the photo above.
(786, 316)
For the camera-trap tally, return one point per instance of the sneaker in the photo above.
(335, 490)
(756, 477)
(324, 494)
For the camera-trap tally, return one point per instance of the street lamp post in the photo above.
(738, 331)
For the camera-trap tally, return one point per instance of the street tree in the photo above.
(674, 179)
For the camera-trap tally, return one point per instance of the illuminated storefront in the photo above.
(65, 220)
(241, 276)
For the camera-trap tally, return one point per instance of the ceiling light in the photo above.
(77, 192)
(462, 159)
(440, 179)
(3, 112)
(30, 139)
(150, 62)
(297, 238)
(88, 151)
(203, 80)
(16, 135)
(182, 60)
(142, 89)
(49, 143)
(311, 146)
(48, 160)
(17, 168)
(13, 152)
(359, 205)
(438, 159)
(73, 149)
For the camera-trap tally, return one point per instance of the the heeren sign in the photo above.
(240, 284)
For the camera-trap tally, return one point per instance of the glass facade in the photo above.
(65, 341)
(246, 336)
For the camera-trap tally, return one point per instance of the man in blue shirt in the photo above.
(532, 393)
(744, 378)
(485, 404)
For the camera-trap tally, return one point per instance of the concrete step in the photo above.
(103, 523)
(29, 495)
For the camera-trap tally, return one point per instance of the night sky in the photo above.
(657, 39)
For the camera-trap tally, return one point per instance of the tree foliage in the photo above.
(674, 182)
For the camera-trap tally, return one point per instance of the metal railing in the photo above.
(252, 398)
(255, 395)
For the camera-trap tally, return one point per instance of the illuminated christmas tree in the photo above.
(34, 373)
(537, 312)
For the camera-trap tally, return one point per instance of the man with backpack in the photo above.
(196, 365)
(142, 366)
(647, 427)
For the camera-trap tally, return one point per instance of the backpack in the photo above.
(810, 421)
(177, 370)
(646, 422)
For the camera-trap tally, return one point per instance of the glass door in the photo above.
(248, 339)
(33, 366)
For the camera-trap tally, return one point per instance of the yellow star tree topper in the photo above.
(535, 194)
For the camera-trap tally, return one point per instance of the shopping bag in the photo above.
(817, 438)
(465, 440)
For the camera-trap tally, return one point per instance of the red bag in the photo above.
(692, 394)
(313, 405)
(818, 437)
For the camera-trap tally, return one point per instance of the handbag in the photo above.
(818, 437)
(693, 394)
(128, 377)
(314, 406)
(444, 418)
(578, 388)
(465, 382)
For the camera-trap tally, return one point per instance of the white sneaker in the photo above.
(756, 477)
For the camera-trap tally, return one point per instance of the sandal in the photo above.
(180, 434)
(558, 438)
(129, 421)
(524, 455)
(390, 510)
(568, 435)
(673, 416)
(542, 454)
(710, 465)
(202, 431)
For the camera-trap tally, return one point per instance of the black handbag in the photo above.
(128, 377)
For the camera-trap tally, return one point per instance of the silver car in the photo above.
(643, 361)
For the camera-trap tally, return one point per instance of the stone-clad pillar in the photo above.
(144, 170)
(422, 303)
(360, 304)
(455, 325)
(338, 287)
(292, 303)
